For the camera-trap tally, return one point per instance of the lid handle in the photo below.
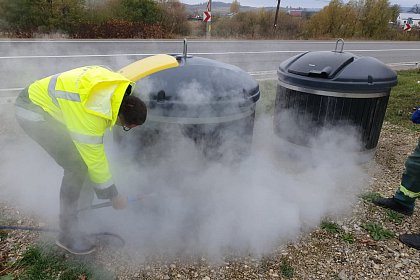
(342, 44)
(324, 73)
(185, 48)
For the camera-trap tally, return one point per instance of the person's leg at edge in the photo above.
(410, 181)
(409, 191)
(405, 196)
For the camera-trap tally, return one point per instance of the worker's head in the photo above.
(132, 112)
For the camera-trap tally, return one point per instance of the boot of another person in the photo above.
(411, 240)
(393, 204)
(78, 244)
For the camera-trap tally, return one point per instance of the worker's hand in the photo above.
(119, 202)
(415, 117)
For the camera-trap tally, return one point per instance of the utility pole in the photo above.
(277, 13)
(208, 23)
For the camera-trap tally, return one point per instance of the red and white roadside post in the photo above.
(207, 19)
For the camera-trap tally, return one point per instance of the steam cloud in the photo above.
(194, 205)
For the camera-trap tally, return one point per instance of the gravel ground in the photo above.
(318, 254)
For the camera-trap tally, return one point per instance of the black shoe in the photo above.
(393, 204)
(411, 240)
(77, 246)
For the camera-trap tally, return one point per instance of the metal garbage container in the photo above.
(327, 88)
(209, 102)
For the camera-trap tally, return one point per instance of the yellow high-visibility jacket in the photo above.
(86, 100)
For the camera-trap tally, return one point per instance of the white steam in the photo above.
(194, 205)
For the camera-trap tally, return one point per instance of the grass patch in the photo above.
(334, 228)
(403, 98)
(286, 269)
(3, 235)
(348, 237)
(43, 263)
(377, 232)
(370, 196)
(394, 216)
(330, 227)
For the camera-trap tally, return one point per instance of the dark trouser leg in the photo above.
(71, 186)
(410, 181)
(53, 137)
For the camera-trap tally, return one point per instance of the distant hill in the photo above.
(405, 9)
(217, 7)
(224, 8)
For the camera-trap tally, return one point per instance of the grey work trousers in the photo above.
(54, 138)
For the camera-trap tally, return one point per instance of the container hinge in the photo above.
(161, 96)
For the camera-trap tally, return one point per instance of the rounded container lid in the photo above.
(199, 81)
(337, 71)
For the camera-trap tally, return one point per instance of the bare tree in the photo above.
(235, 7)
(174, 17)
(415, 9)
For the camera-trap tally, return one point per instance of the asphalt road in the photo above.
(22, 61)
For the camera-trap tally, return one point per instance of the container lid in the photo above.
(200, 83)
(338, 72)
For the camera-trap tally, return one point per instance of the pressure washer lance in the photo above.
(130, 199)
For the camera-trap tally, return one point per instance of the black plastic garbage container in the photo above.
(327, 88)
(209, 102)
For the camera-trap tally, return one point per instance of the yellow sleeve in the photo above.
(95, 158)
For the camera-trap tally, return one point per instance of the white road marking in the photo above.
(196, 41)
(197, 53)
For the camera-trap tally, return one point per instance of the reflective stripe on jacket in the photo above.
(86, 100)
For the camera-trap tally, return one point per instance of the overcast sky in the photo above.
(294, 3)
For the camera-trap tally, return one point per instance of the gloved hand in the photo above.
(119, 202)
(415, 117)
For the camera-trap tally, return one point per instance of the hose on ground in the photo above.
(44, 229)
